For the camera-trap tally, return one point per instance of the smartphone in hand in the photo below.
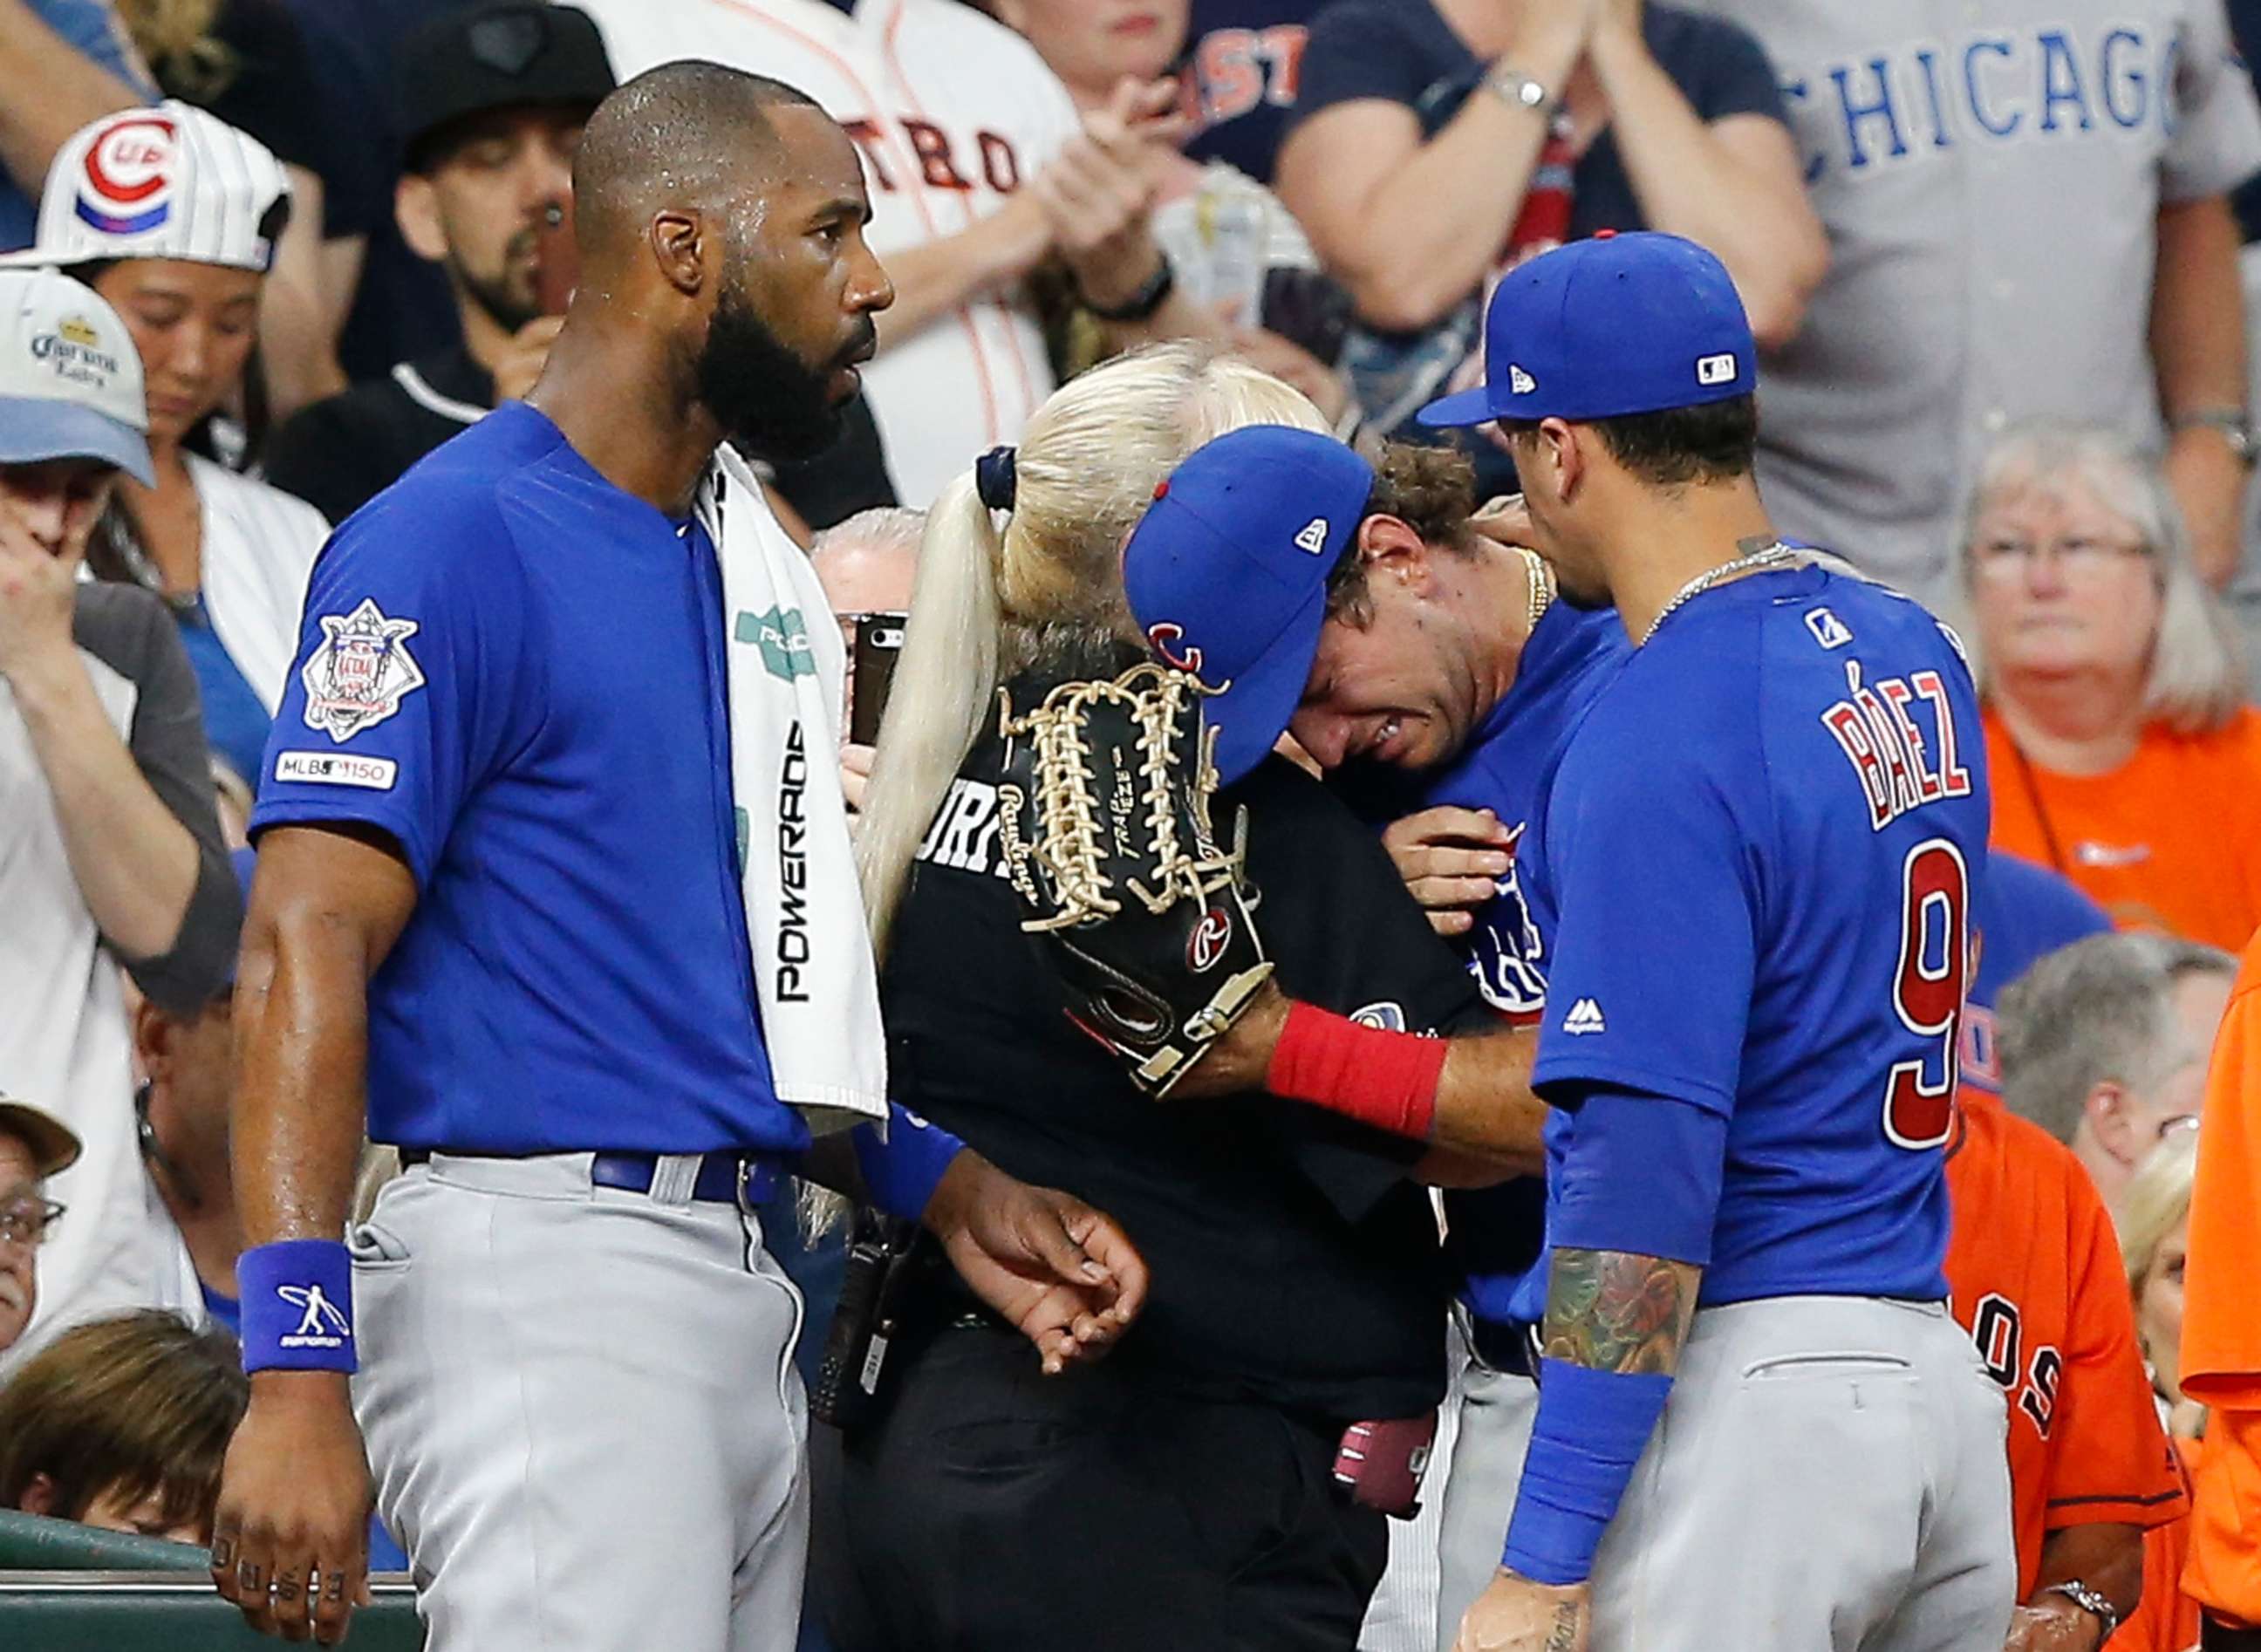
(556, 258)
(871, 673)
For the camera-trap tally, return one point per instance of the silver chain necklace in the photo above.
(1775, 555)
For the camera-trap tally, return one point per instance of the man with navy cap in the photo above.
(1746, 1210)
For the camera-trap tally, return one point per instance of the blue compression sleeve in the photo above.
(1641, 1176)
(901, 1172)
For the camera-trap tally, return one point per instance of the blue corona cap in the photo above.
(1602, 328)
(1227, 573)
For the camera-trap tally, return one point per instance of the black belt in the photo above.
(1507, 1345)
(722, 1176)
(2220, 1637)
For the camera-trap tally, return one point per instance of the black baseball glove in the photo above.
(1104, 813)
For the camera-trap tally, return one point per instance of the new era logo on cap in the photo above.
(1314, 536)
(1520, 382)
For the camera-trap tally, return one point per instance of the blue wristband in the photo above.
(901, 1173)
(298, 1306)
(1593, 1427)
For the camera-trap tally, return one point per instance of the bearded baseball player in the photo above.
(553, 872)
(1746, 1350)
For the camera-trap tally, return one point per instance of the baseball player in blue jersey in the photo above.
(1754, 872)
(1746, 1206)
(1419, 643)
(554, 872)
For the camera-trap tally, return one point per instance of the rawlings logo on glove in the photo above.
(1105, 818)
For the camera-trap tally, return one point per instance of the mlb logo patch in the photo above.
(126, 187)
(1716, 370)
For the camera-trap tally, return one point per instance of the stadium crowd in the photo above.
(2003, 263)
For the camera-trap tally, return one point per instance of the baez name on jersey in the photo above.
(1874, 728)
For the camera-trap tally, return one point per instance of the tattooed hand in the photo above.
(1516, 1614)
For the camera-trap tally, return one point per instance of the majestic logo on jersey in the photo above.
(1314, 536)
(1206, 945)
(321, 1323)
(782, 638)
(127, 186)
(1585, 1017)
(1716, 370)
(1506, 954)
(361, 673)
(1828, 628)
(1520, 382)
(1888, 752)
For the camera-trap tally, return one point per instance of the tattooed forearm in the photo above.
(1615, 1312)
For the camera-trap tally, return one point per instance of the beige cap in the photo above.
(54, 1146)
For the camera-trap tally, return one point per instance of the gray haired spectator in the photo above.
(2105, 1044)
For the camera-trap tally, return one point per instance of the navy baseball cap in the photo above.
(1227, 573)
(1602, 328)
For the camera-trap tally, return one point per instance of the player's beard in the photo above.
(769, 399)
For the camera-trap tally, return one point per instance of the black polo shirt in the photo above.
(1293, 1260)
(346, 449)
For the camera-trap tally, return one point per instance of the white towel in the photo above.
(812, 950)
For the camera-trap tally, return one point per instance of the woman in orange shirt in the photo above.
(2120, 750)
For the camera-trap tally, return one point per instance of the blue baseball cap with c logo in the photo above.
(1227, 573)
(1608, 327)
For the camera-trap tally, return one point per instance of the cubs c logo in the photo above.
(1162, 634)
(128, 175)
(1206, 945)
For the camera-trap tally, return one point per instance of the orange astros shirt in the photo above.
(2038, 1283)
(2221, 1314)
(2171, 840)
(2166, 1619)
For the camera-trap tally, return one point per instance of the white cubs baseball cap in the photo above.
(170, 181)
(70, 380)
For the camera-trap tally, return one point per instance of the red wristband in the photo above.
(1387, 1080)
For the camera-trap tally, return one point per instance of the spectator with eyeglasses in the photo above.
(2104, 1045)
(2113, 691)
(35, 1144)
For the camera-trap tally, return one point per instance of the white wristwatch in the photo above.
(2089, 1601)
(1512, 86)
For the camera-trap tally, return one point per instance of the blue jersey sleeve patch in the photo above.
(405, 688)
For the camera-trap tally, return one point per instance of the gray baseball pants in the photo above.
(581, 1409)
(1830, 1475)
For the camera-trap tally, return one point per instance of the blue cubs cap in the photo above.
(1227, 573)
(1602, 328)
